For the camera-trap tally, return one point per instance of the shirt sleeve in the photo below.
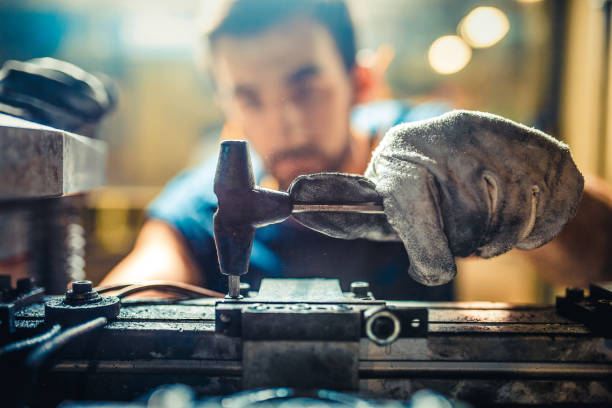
(188, 203)
(374, 119)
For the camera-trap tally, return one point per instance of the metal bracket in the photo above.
(307, 336)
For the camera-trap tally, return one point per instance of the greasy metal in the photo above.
(84, 286)
(363, 208)
(81, 303)
(81, 292)
(301, 364)
(300, 322)
(291, 337)
(482, 369)
(233, 286)
(297, 343)
(14, 300)
(367, 369)
(595, 311)
(490, 353)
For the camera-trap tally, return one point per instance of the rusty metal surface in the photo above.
(535, 347)
(488, 352)
(505, 316)
(483, 370)
(498, 392)
(38, 161)
(303, 364)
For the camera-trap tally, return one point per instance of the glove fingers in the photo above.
(338, 188)
(557, 201)
(55, 92)
(411, 203)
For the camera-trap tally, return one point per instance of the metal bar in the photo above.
(233, 286)
(367, 369)
(489, 370)
(207, 367)
(362, 208)
(38, 161)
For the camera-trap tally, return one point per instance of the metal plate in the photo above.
(38, 161)
(490, 353)
(301, 364)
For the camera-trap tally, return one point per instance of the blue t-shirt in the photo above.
(288, 249)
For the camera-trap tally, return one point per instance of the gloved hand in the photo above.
(460, 184)
(55, 93)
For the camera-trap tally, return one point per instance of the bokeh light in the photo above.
(449, 54)
(484, 27)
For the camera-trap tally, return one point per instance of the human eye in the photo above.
(306, 94)
(249, 100)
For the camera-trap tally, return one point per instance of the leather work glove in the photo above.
(460, 184)
(55, 93)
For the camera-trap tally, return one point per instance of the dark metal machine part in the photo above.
(80, 304)
(491, 354)
(305, 333)
(14, 299)
(595, 310)
(45, 172)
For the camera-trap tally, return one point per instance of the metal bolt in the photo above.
(244, 288)
(360, 289)
(383, 327)
(80, 287)
(82, 292)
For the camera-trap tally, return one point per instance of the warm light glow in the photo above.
(449, 54)
(484, 27)
(157, 32)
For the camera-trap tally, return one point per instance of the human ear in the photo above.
(368, 74)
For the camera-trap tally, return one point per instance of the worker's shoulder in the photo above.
(192, 186)
(191, 191)
(376, 118)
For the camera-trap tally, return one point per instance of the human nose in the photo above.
(290, 118)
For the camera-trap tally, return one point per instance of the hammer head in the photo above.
(243, 206)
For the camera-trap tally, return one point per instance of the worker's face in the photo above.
(289, 92)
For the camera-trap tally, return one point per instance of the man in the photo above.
(286, 78)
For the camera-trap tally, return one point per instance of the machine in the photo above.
(295, 342)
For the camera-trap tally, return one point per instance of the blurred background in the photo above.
(540, 62)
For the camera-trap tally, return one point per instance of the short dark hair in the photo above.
(238, 18)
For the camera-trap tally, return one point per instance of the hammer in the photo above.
(244, 206)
